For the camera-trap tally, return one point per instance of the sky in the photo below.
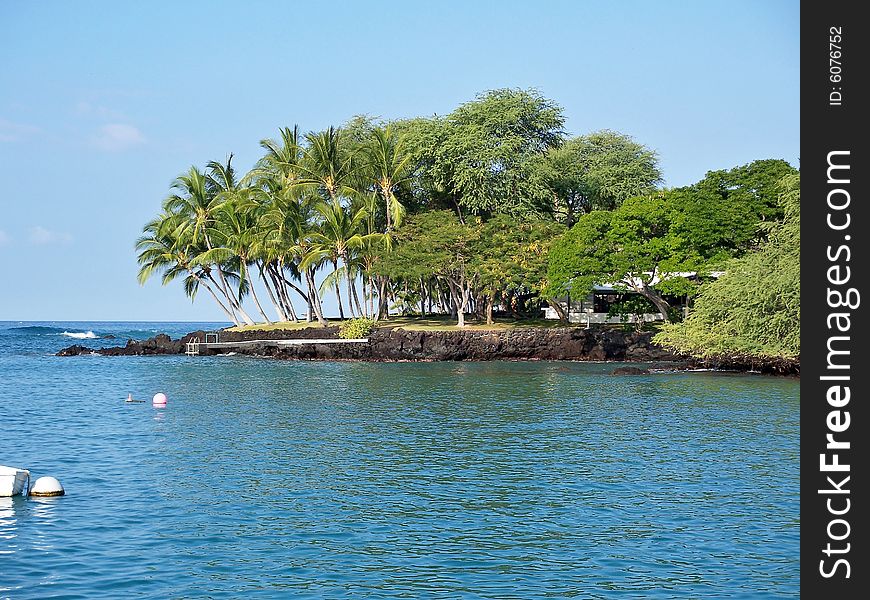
(104, 103)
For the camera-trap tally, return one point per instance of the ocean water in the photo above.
(275, 479)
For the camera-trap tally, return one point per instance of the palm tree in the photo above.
(196, 201)
(373, 246)
(283, 159)
(389, 162)
(235, 224)
(327, 165)
(338, 234)
(160, 250)
(286, 224)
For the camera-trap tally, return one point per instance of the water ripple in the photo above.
(498, 480)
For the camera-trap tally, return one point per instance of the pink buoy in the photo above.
(159, 399)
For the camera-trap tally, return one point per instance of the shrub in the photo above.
(754, 309)
(356, 328)
(631, 310)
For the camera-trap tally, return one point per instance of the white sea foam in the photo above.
(89, 335)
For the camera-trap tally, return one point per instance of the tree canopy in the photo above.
(754, 308)
(479, 159)
(488, 208)
(478, 262)
(597, 171)
(647, 242)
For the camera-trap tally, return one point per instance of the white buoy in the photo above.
(47, 486)
(159, 399)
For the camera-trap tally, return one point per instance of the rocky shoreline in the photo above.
(397, 344)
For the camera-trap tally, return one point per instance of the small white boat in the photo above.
(13, 481)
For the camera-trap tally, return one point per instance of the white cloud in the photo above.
(41, 236)
(4, 238)
(86, 109)
(116, 137)
(13, 132)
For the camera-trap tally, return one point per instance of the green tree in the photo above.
(160, 250)
(389, 165)
(338, 235)
(236, 229)
(646, 243)
(327, 164)
(754, 308)
(196, 199)
(480, 158)
(510, 261)
(286, 223)
(597, 171)
(753, 187)
(435, 244)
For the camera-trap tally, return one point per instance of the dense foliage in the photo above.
(450, 214)
(481, 158)
(668, 241)
(490, 208)
(598, 171)
(754, 308)
(354, 329)
(468, 267)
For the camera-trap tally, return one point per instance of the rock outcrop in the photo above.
(397, 344)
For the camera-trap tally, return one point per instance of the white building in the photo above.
(594, 308)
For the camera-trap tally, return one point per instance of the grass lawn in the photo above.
(278, 325)
(444, 323)
(412, 323)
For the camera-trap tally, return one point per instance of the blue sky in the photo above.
(102, 104)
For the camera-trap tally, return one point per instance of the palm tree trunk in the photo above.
(383, 300)
(291, 311)
(276, 304)
(231, 301)
(370, 294)
(216, 299)
(224, 287)
(281, 289)
(365, 301)
(296, 289)
(351, 287)
(338, 291)
(359, 306)
(386, 196)
(280, 292)
(236, 302)
(244, 264)
(314, 299)
(349, 293)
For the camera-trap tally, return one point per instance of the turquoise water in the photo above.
(411, 480)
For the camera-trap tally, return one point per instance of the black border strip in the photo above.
(835, 225)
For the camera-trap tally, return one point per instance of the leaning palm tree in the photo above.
(338, 234)
(196, 200)
(236, 219)
(291, 180)
(159, 250)
(389, 163)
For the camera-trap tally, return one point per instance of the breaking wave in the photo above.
(87, 335)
